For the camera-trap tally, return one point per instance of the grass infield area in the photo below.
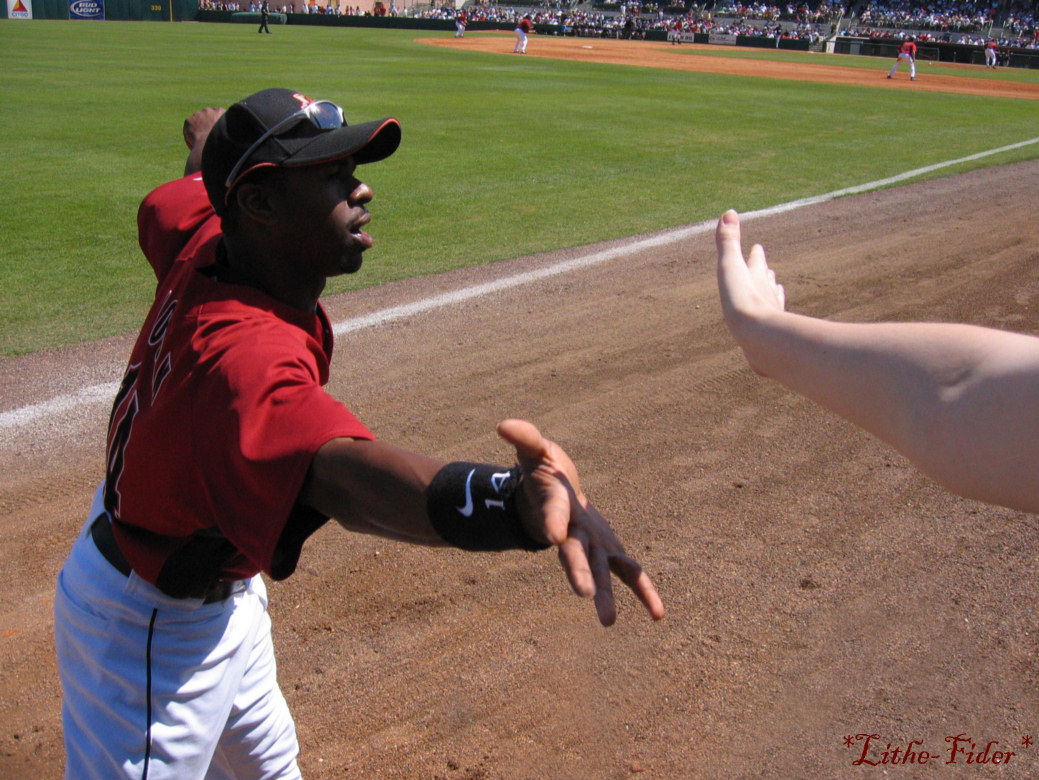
(502, 156)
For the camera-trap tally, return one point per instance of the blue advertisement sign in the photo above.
(86, 9)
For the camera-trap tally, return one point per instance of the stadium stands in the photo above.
(961, 22)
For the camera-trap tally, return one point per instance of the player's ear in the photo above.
(253, 198)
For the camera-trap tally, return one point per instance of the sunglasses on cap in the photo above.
(322, 114)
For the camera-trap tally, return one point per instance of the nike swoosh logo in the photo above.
(467, 509)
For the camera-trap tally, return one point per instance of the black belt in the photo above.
(104, 539)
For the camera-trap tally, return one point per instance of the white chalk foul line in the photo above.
(104, 393)
(528, 277)
(58, 405)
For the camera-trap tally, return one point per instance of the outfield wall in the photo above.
(114, 10)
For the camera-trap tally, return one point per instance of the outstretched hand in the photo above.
(748, 288)
(555, 510)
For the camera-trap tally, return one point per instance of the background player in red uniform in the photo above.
(522, 31)
(906, 53)
(991, 53)
(225, 454)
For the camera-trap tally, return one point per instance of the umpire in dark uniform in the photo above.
(265, 14)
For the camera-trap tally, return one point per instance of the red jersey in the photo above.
(219, 414)
(907, 47)
(525, 25)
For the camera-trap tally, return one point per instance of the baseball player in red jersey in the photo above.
(522, 31)
(906, 53)
(225, 454)
(991, 53)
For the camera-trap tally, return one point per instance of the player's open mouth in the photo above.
(363, 239)
(360, 235)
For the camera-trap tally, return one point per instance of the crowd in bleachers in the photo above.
(950, 21)
(814, 14)
(772, 21)
(297, 7)
(947, 21)
(630, 19)
(583, 23)
(942, 16)
(1021, 18)
(1014, 23)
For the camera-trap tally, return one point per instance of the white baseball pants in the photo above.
(157, 688)
(904, 57)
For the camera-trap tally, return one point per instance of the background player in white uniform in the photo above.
(225, 454)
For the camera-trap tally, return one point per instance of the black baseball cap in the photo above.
(285, 128)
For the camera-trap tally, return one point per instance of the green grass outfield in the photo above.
(502, 156)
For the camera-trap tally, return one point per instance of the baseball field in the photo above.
(544, 250)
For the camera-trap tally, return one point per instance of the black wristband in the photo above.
(473, 506)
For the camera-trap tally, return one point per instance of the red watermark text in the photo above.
(873, 750)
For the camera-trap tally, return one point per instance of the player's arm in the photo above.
(373, 487)
(196, 131)
(959, 401)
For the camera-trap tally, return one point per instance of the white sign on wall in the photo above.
(19, 9)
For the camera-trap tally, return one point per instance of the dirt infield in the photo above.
(818, 588)
(932, 77)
